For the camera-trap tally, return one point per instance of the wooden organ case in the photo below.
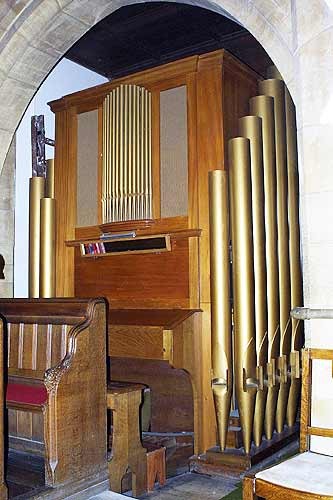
(159, 295)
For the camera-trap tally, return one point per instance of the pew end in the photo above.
(57, 376)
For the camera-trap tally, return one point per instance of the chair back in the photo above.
(317, 393)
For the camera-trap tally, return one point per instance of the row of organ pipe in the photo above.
(127, 158)
(254, 212)
(42, 215)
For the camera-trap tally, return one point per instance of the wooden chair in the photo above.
(308, 475)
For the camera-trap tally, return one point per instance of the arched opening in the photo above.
(262, 24)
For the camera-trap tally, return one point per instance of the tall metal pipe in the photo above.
(243, 284)
(47, 248)
(295, 261)
(36, 193)
(251, 128)
(275, 88)
(49, 182)
(222, 379)
(263, 106)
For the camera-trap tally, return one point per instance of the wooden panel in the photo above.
(13, 343)
(37, 427)
(26, 347)
(24, 424)
(43, 360)
(160, 278)
(171, 392)
(65, 194)
(136, 342)
(12, 423)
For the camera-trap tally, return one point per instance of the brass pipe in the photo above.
(49, 182)
(138, 156)
(107, 159)
(273, 72)
(146, 170)
(47, 248)
(295, 261)
(121, 154)
(113, 166)
(222, 377)
(125, 166)
(36, 193)
(130, 151)
(251, 128)
(103, 200)
(149, 168)
(243, 284)
(263, 106)
(275, 88)
(117, 166)
(142, 151)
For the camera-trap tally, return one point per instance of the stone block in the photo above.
(14, 97)
(33, 67)
(316, 80)
(312, 20)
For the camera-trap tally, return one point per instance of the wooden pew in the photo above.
(3, 487)
(57, 370)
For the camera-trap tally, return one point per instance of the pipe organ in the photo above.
(265, 270)
(132, 163)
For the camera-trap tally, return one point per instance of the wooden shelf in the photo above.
(176, 234)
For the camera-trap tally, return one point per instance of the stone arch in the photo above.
(37, 33)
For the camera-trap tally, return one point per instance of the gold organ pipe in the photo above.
(107, 160)
(125, 185)
(250, 127)
(130, 148)
(146, 167)
(127, 157)
(222, 378)
(103, 201)
(150, 180)
(47, 248)
(113, 166)
(263, 106)
(49, 182)
(243, 284)
(275, 89)
(295, 261)
(138, 156)
(273, 72)
(142, 160)
(146, 158)
(117, 160)
(36, 193)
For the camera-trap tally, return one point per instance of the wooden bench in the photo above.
(57, 379)
(128, 454)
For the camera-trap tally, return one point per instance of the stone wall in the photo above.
(7, 208)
